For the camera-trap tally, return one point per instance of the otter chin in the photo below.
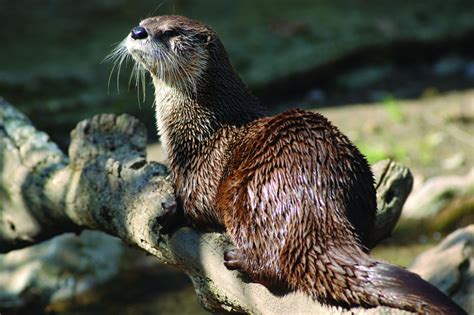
(296, 197)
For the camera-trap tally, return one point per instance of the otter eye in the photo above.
(204, 38)
(169, 33)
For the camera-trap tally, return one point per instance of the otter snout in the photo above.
(139, 32)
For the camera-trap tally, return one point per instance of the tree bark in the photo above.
(107, 184)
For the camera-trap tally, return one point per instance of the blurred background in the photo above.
(396, 76)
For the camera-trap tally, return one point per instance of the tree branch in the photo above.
(106, 184)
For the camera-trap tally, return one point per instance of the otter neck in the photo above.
(188, 119)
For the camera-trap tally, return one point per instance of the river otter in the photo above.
(295, 195)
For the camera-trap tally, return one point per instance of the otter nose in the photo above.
(139, 32)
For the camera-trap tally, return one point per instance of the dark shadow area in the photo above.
(402, 69)
(144, 290)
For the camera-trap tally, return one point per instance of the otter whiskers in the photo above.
(118, 55)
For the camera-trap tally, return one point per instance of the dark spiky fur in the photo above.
(296, 197)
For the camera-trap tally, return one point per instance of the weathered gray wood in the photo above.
(106, 184)
(394, 183)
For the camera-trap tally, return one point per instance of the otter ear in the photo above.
(205, 38)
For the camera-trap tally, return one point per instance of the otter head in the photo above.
(173, 49)
(191, 72)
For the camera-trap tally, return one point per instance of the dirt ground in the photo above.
(432, 136)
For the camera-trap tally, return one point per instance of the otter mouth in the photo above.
(141, 56)
(141, 51)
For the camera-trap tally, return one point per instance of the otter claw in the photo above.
(171, 219)
(169, 210)
(233, 259)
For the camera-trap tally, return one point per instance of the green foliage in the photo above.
(426, 147)
(402, 255)
(393, 109)
(378, 152)
(372, 153)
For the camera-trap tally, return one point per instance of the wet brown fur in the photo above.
(295, 195)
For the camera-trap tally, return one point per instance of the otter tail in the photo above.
(402, 289)
(348, 277)
(361, 280)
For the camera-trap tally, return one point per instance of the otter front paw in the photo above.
(234, 259)
(171, 218)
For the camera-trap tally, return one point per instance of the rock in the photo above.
(156, 152)
(454, 161)
(50, 271)
(450, 266)
(435, 194)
